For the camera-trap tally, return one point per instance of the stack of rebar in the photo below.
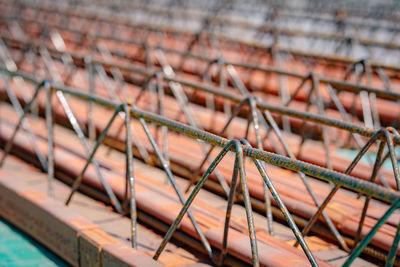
(289, 109)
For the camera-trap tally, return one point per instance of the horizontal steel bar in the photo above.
(338, 85)
(367, 132)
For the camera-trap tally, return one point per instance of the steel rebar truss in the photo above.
(259, 116)
(244, 91)
(344, 125)
(216, 23)
(240, 148)
(379, 69)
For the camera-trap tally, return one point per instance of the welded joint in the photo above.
(234, 146)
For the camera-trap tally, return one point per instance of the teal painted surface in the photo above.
(351, 154)
(18, 249)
